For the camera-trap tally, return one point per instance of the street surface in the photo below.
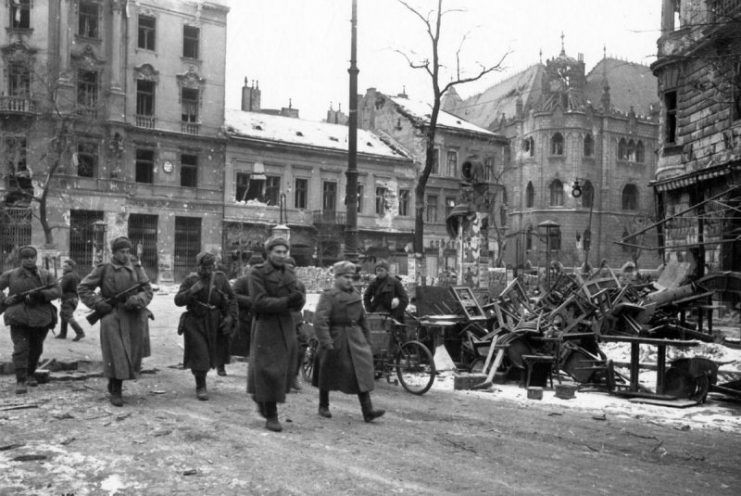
(71, 441)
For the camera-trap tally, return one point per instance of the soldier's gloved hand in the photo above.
(295, 299)
(227, 325)
(132, 303)
(34, 299)
(103, 307)
(12, 300)
(199, 285)
(394, 303)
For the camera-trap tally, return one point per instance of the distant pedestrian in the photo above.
(29, 317)
(70, 299)
(124, 294)
(209, 321)
(275, 293)
(345, 359)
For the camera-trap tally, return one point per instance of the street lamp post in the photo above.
(351, 194)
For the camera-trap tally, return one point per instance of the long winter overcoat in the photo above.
(273, 338)
(69, 283)
(240, 344)
(37, 315)
(340, 320)
(124, 334)
(206, 344)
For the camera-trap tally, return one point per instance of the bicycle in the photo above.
(410, 360)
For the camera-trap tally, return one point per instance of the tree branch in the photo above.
(482, 72)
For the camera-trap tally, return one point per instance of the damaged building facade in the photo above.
(699, 169)
(121, 139)
(282, 170)
(463, 150)
(581, 157)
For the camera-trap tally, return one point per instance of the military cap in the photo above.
(27, 251)
(343, 267)
(120, 243)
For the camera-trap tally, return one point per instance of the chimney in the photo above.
(250, 96)
(290, 111)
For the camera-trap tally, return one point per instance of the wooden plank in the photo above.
(677, 403)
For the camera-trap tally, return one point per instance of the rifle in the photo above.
(117, 298)
(29, 292)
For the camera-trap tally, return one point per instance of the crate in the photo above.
(377, 325)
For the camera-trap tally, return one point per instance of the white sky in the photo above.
(300, 49)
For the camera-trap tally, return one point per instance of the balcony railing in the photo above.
(329, 217)
(190, 128)
(17, 105)
(145, 121)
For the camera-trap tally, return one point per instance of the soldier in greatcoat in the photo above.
(345, 359)
(70, 299)
(240, 343)
(124, 327)
(209, 322)
(275, 293)
(29, 317)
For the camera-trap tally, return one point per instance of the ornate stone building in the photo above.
(117, 107)
(581, 156)
(698, 180)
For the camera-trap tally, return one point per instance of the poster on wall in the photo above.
(165, 268)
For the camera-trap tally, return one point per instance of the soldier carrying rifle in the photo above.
(121, 306)
(29, 314)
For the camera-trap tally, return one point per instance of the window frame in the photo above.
(630, 202)
(19, 76)
(670, 116)
(587, 196)
(300, 193)
(24, 23)
(141, 171)
(530, 195)
(381, 192)
(143, 94)
(329, 192)
(431, 209)
(558, 145)
(556, 194)
(404, 195)
(90, 31)
(146, 35)
(189, 104)
(188, 170)
(589, 145)
(451, 163)
(88, 89)
(361, 194)
(192, 42)
(88, 151)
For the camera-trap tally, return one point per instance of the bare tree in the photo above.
(433, 24)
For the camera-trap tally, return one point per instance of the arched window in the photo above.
(587, 194)
(529, 196)
(622, 149)
(631, 151)
(557, 144)
(588, 145)
(640, 152)
(630, 197)
(556, 189)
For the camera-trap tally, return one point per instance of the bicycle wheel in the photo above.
(415, 367)
(307, 365)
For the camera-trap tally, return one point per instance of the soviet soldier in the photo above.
(70, 299)
(124, 294)
(209, 322)
(386, 293)
(240, 344)
(29, 314)
(275, 294)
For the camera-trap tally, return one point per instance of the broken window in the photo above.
(88, 20)
(670, 105)
(381, 201)
(87, 159)
(404, 202)
(630, 197)
(20, 14)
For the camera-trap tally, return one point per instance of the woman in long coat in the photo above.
(124, 327)
(209, 322)
(345, 359)
(275, 293)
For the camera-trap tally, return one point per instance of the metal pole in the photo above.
(460, 252)
(351, 230)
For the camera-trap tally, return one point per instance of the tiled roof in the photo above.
(302, 132)
(487, 108)
(631, 85)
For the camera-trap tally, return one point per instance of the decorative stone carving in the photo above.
(147, 73)
(190, 79)
(87, 58)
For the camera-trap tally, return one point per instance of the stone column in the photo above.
(117, 49)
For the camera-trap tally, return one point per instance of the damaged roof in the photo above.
(421, 111)
(302, 132)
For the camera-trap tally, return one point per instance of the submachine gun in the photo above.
(25, 294)
(121, 297)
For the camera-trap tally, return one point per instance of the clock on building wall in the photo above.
(167, 166)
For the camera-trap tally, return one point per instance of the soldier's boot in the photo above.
(369, 413)
(221, 370)
(20, 382)
(201, 391)
(324, 404)
(271, 414)
(31, 379)
(295, 385)
(116, 387)
(62, 331)
(79, 333)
